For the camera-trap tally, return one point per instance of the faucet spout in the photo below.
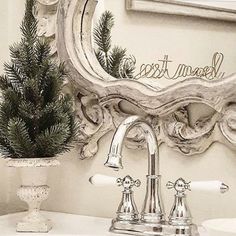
(114, 159)
(152, 207)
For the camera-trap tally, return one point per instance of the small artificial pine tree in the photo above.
(111, 59)
(36, 120)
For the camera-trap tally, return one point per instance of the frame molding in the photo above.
(98, 97)
(175, 7)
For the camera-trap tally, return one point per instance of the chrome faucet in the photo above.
(152, 219)
(152, 208)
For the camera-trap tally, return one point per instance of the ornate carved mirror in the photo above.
(102, 101)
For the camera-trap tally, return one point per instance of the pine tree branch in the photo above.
(31, 91)
(100, 57)
(6, 83)
(52, 140)
(111, 60)
(14, 73)
(35, 119)
(19, 138)
(5, 148)
(102, 33)
(42, 50)
(115, 60)
(29, 24)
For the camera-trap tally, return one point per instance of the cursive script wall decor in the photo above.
(161, 69)
(98, 97)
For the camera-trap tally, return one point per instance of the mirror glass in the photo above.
(159, 49)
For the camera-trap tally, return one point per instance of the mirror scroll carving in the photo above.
(98, 97)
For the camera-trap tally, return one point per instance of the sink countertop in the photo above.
(65, 224)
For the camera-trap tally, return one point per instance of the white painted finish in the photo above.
(66, 224)
(98, 96)
(103, 180)
(33, 190)
(206, 186)
(185, 8)
(220, 227)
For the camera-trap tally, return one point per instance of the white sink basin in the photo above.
(64, 224)
(220, 227)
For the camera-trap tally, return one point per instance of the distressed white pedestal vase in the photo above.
(33, 190)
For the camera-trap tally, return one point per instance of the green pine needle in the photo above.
(36, 120)
(101, 59)
(110, 59)
(115, 60)
(102, 32)
(19, 138)
(53, 140)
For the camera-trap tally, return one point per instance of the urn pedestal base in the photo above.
(33, 190)
(34, 221)
(34, 227)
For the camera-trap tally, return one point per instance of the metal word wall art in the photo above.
(161, 69)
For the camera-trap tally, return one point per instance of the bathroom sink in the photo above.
(64, 224)
(220, 227)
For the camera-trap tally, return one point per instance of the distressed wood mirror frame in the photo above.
(99, 98)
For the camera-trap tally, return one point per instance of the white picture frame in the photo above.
(216, 10)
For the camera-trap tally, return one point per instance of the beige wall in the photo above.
(10, 18)
(71, 191)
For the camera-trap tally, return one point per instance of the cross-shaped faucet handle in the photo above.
(180, 185)
(128, 182)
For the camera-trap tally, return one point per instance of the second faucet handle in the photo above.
(179, 185)
(205, 186)
(127, 182)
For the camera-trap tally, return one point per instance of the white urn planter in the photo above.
(33, 190)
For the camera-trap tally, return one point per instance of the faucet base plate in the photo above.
(152, 229)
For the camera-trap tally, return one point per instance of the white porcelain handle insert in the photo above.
(103, 180)
(208, 186)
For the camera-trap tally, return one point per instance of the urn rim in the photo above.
(33, 162)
